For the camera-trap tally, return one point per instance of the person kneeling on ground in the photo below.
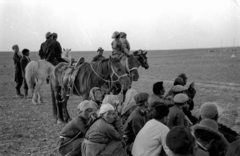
(206, 133)
(181, 141)
(151, 140)
(136, 120)
(104, 136)
(71, 136)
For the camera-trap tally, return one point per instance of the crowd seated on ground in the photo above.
(142, 124)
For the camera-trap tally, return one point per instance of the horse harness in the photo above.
(111, 81)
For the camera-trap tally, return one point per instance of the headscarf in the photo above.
(84, 105)
(105, 108)
(129, 101)
(111, 99)
(92, 93)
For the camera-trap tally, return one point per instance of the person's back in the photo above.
(117, 46)
(151, 139)
(44, 46)
(125, 43)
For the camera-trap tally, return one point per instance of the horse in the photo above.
(36, 74)
(89, 75)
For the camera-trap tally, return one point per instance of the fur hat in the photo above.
(178, 81)
(84, 105)
(157, 87)
(122, 34)
(100, 49)
(48, 34)
(208, 110)
(55, 35)
(115, 34)
(141, 97)
(178, 89)
(183, 76)
(210, 126)
(180, 140)
(180, 98)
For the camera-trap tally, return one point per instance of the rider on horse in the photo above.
(100, 56)
(117, 46)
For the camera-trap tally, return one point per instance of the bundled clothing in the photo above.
(176, 117)
(44, 48)
(103, 138)
(151, 140)
(133, 125)
(18, 71)
(128, 105)
(117, 47)
(73, 133)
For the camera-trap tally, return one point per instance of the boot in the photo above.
(19, 93)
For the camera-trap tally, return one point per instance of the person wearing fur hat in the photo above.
(71, 136)
(176, 114)
(103, 137)
(43, 48)
(181, 141)
(54, 51)
(117, 46)
(136, 120)
(206, 132)
(210, 111)
(125, 43)
(100, 56)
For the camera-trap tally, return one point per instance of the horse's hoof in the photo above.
(59, 122)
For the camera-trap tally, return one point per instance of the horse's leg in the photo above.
(53, 101)
(66, 116)
(39, 84)
(34, 97)
(58, 105)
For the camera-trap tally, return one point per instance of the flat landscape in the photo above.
(27, 129)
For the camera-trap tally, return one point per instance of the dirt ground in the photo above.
(27, 129)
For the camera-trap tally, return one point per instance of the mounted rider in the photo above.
(43, 49)
(100, 56)
(125, 43)
(117, 46)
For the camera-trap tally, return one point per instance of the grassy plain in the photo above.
(27, 129)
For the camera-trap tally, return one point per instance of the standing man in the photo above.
(44, 46)
(18, 73)
(100, 56)
(24, 61)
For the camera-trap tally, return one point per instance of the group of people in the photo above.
(51, 51)
(158, 124)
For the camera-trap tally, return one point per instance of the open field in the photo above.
(27, 129)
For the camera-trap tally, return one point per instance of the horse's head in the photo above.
(66, 52)
(131, 65)
(119, 73)
(142, 58)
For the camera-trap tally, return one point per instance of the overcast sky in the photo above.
(150, 24)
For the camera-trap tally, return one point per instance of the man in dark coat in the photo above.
(136, 120)
(24, 61)
(54, 51)
(18, 73)
(100, 56)
(44, 46)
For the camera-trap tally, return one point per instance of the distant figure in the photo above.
(24, 61)
(43, 49)
(100, 56)
(18, 72)
(125, 43)
(117, 46)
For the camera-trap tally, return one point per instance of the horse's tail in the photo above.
(30, 74)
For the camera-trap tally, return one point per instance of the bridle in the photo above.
(111, 81)
(127, 66)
